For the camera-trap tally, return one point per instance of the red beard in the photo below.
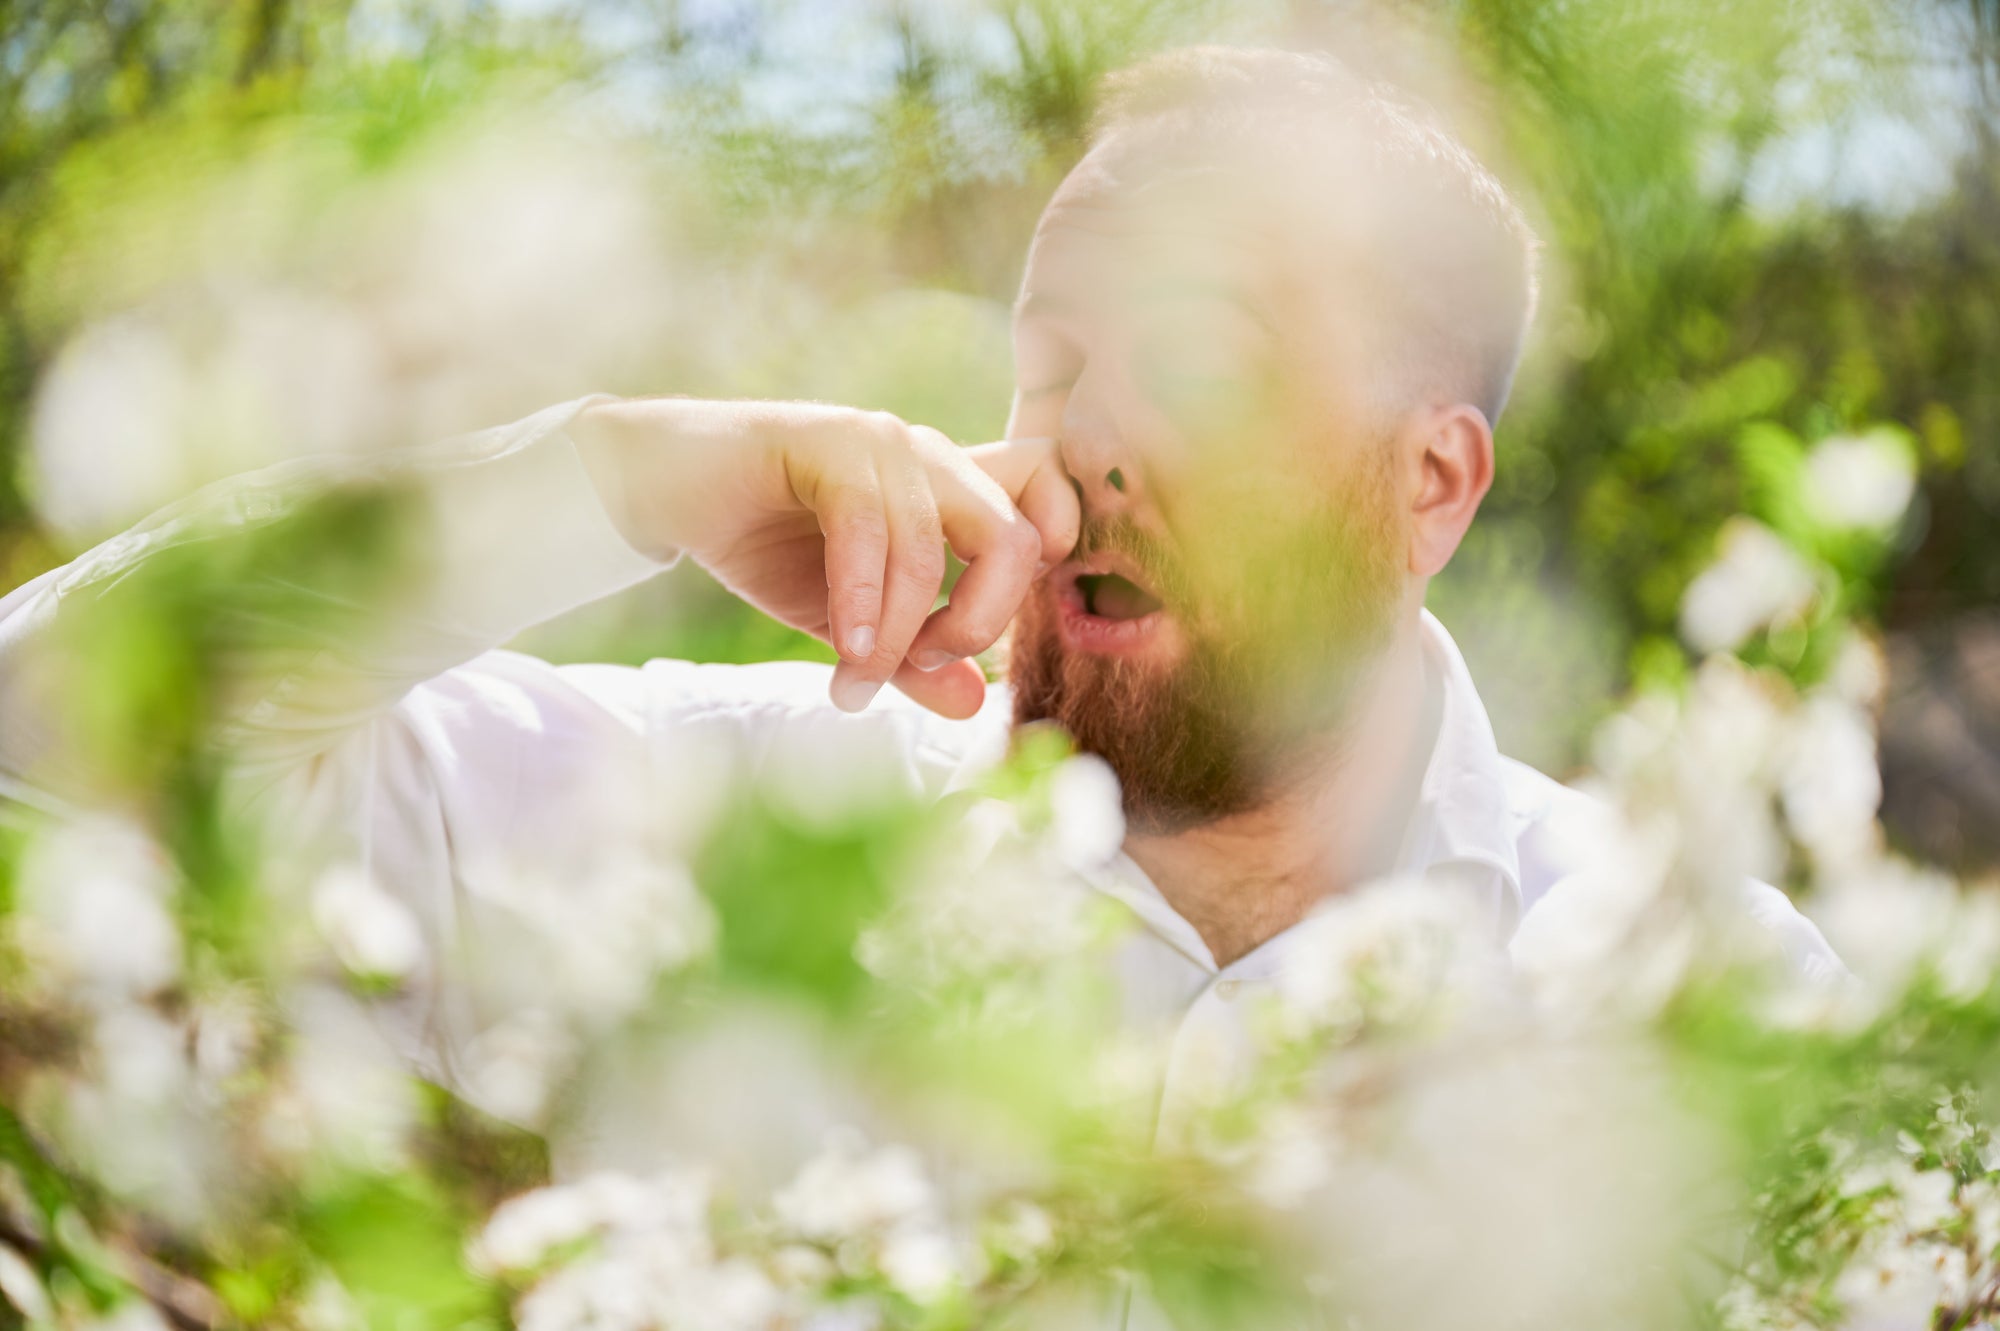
(1256, 694)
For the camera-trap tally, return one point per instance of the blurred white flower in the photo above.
(22, 1287)
(1392, 954)
(1662, 866)
(1864, 480)
(513, 269)
(512, 1068)
(486, 276)
(209, 381)
(111, 419)
(1831, 786)
(1891, 920)
(1897, 1280)
(94, 904)
(1088, 811)
(919, 1261)
(1291, 1156)
(345, 1093)
(524, 1232)
(1555, 1171)
(1860, 673)
(654, 1288)
(995, 900)
(225, 1030)
(1756, 580)
(136, 1124)
(371, 932)
(1022, 1232)
(327, 1306)
(873, 1208)
(647, 1260)
(1744, 1306)
(799, 1266)
(848, 1190)
(1693, 779)
(1915, 1200)
(1580, 951)
(141, 1055)
(586, 938)
(1979, 1202)
(132, 1315)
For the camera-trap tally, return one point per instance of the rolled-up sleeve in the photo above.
(495, 531)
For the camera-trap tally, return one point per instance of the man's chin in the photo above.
(1157, 714)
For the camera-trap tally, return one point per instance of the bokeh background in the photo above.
(233, 232)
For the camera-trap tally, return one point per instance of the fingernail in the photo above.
(852, 694)
(935, 659)
(861, 643)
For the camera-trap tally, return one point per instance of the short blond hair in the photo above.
(1459, 258)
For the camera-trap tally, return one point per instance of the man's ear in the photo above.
(1455, 470)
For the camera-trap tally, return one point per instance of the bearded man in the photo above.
(1265, 329)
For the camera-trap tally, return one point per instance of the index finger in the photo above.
(1031, 472)
(1001, 549)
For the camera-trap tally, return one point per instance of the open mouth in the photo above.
(1106, 608)
(1112, 596)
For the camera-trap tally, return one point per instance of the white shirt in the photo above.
(444, 765)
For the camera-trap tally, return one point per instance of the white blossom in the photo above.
(371, 932)
(1890, 919)
(1865, 480)
(327, 1306)
(132, 1315)
(1390, 954)
(668, 1209)
(1756, 581)
(1896, 1282)
(225, 1034)
(1831, 786)
(1088, 811)
(513, 1068)
(919, 1261)
(110, 423)
(653, 1288)
(1450, 1146)
(589, 937)
(22, 1287)
(847, 1190)
(142, 1056)
(1292, 1156)
(648, 1262)
(1022, 1231)
(876, 1207)
(345, 1091)
(94, 902)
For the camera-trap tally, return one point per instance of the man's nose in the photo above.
(1099, 458)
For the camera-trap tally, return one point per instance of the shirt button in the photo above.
(1226, 989)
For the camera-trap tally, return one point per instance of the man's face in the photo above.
(1244, 550)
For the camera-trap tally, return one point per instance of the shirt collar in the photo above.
(1460, 834)
(1462, 829)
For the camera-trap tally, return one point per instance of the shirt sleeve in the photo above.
(494, 532)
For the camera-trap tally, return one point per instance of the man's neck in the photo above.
(1244, 879)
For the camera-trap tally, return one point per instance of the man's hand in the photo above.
(835, 521)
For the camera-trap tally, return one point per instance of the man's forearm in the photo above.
(482, 536)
